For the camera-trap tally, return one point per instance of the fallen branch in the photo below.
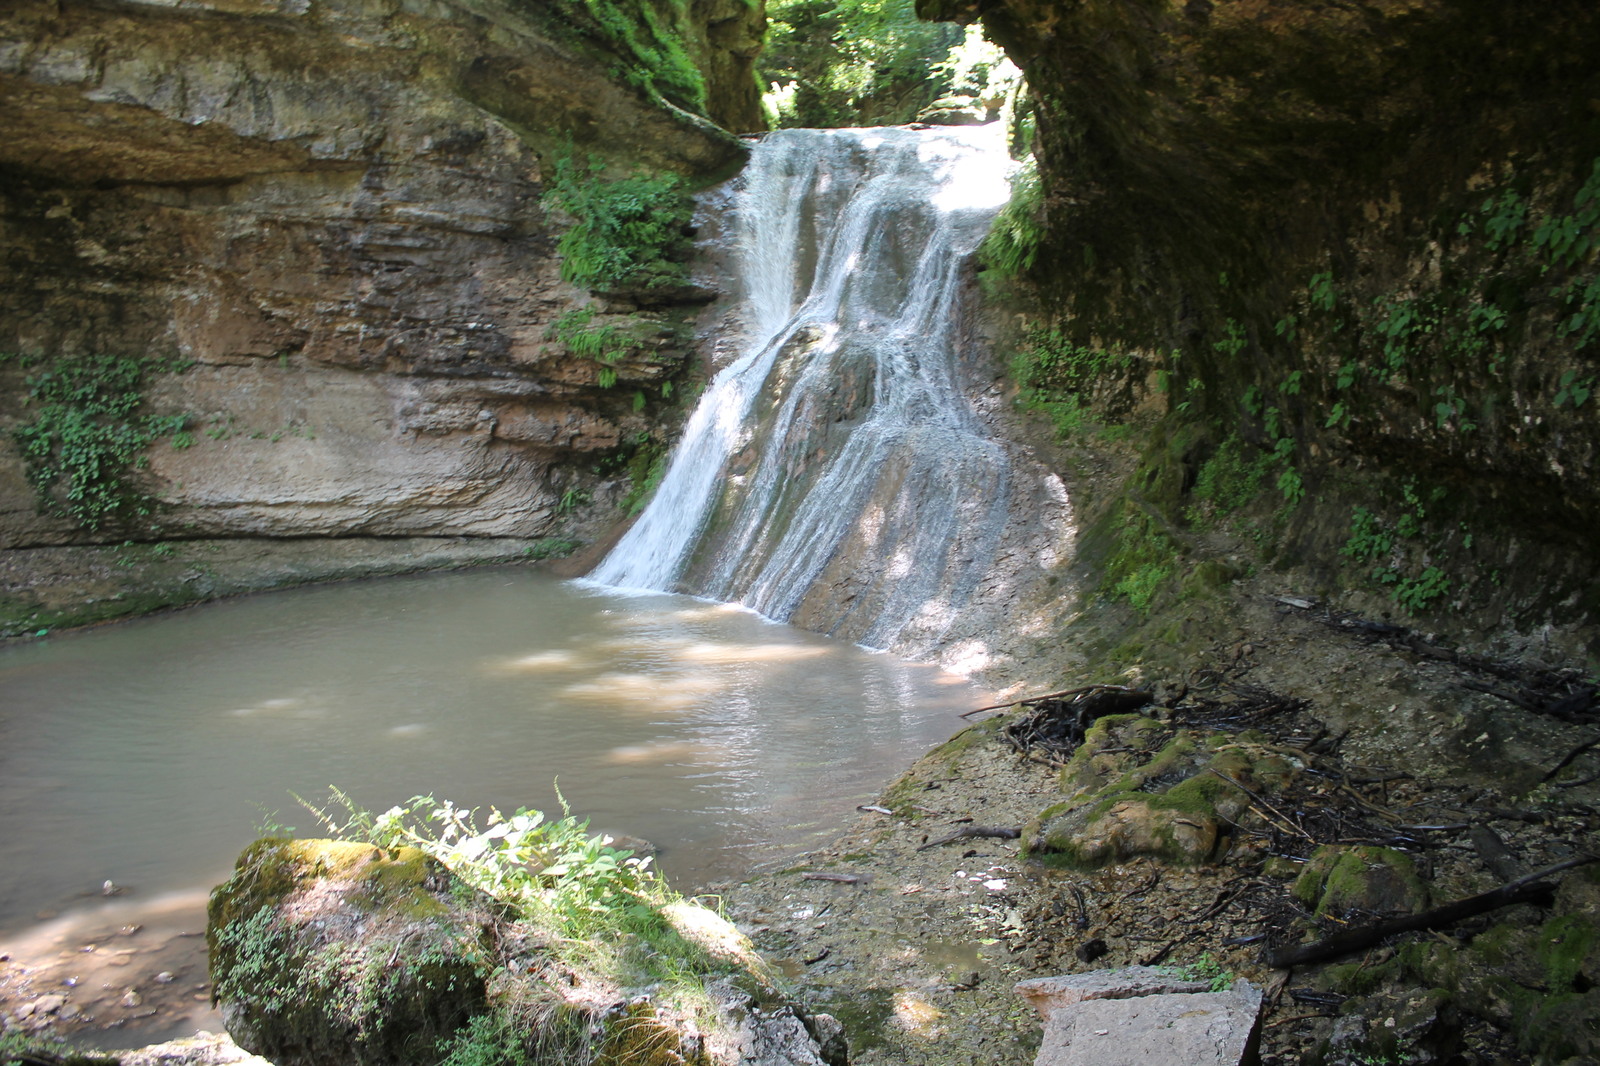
(1522, 890)
(971, 832)
(1287, 821)
(1571, 755)
(843, 879)
(1063, 694)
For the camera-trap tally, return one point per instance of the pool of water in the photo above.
(148, 754)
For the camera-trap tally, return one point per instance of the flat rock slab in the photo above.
(1181, 1029)
(1141, 1016)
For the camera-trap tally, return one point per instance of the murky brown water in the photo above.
(148, 754)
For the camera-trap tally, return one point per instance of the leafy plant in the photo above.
(88, 435)
(1205, 968)
(1574, 390)
(649, 39)
(861, 62)
(626, 233)
(605, 344)
(1228, 480)
(572, 499)
(1017, 232)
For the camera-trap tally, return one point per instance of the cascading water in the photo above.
(834, 475)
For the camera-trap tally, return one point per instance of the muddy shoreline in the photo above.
(916, 948)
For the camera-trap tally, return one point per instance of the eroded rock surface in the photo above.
(332, 211)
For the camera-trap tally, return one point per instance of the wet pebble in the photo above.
(131, 998)
(163, 978)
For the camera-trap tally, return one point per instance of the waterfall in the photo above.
(834, 475)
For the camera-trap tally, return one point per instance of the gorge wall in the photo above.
(1338, 261)
(327, 215)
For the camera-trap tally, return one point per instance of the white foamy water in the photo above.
(834, 474)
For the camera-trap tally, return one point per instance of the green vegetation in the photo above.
(1228, 481)
(648, 37)
(855, 62)
(604, 344)
(598, 910)
(551, 548)
(88, 435)
(1144, 558)
(630, 233)
(1205, 968)
(646, 467)
(1056, 375)
(1395, 548)
(1017, 232)
(17, 1048)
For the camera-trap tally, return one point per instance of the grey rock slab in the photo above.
(1166, 1029)
(1049, 994)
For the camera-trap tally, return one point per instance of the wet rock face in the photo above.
(1203, 164)
(324, 952)
(333, 210)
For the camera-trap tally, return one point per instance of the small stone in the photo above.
(131, 998)
(163, 978)
(129, 930)
(48, 1004)
(68, 1012)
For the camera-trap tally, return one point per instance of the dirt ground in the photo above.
(1399, 740)
(916, 945)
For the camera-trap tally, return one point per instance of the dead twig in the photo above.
(1570, 756)
(1289, 822)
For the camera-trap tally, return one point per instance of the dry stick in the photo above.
(1055, 696)
(972, 831)
(1571, 755)
(1290, 821)
(1357, 939)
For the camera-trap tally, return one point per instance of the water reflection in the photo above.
(148, 753)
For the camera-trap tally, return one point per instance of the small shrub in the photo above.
(628, 233)
(87, 435)
(1228, 480)
(1018, 231)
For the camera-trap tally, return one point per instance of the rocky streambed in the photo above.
(1346, 772)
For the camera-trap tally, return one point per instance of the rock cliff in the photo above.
(1348, 248)
(330, 210)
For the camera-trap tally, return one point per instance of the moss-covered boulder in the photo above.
(326, 952)
(1138, 786)
(1339, 880)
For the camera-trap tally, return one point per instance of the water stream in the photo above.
(146, 754)
(834, 474)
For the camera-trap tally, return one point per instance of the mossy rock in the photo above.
(332, 952)
(1177, 806)
(1371, 880)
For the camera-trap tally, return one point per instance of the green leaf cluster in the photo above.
(854, 62)
(1018, 230)
(552, 868)
(88, 435)
(650, 40)
(628, 233)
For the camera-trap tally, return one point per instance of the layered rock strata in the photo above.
(331, 209)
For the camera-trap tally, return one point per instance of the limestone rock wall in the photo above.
(1334, 232)
(332, 208)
